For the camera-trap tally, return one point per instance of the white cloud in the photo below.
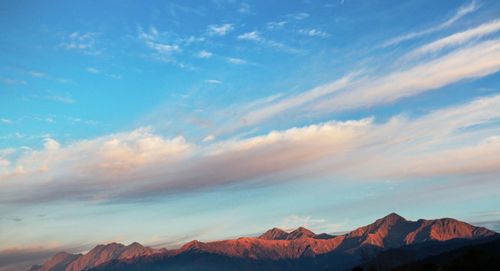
(208, 138)
(5, 121)
(12, 82)
(256, 37)
(213, 81)
(456, 39)
(472, 62)
(253, 36)
(63, 99)
(298, 16)
(115, 76)
(162, 51)
(461, 12)
(220, 30)
(236, 61)
(93, 70)
(313, 33)
(244, 8)
(279, 106)
(353, 91)
(98, 71)
(204, 54)
(104, 157)
(276, 25)
(37, 73)
(82, 42)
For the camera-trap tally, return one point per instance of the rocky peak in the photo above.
(301, 232)
(274, 234)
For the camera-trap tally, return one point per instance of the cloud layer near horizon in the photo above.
(140, 163)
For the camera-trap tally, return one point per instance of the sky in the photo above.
(164, 122)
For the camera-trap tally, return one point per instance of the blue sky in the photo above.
(166, 122)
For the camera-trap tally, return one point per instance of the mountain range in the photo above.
(276, 249)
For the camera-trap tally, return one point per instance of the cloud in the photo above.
(12, 82)
(298, 16)
(141, 164)
(213, 81)
(5, 121)
(82, 42)
(93, 70)
(276, 25)
(98, 71)
(461, 12)
(256, 37)
(115, 76)
(253, 36)
(208, 138)
(236, 61)
(4, 162)
(279, 106)
(37, 73)
(353, 91)
(456, 39)
(471, 62)
(204, 54)
(244, 8)
(220, 30)
(161, 50)
(313, 33)
(62, 99)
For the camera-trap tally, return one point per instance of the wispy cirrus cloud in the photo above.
(97, 71)
(472, 62)
(82, 42)
(161, 50)
(236, 61)
(37, 73)
(61, 98)
(276, 25)
(5, 121)
(204, 54)
(298, 16)
(213, 81)
(245, 8)
(456, 39)
(93, 70)
(220, 30)
(355, 91)
(12, 82)
(253, 36)
(256, 37)
(313, 33)
(461, 12)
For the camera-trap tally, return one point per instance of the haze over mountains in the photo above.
(277, 249)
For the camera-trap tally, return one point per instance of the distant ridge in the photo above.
(391, 231)
(95, 257)
(301, 232)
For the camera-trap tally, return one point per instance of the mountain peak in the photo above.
(279, 234)
(393, 217)
(301, 232)
(274, 234)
